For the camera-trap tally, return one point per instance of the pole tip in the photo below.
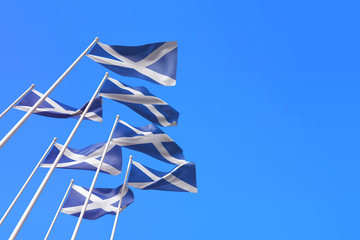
(55, 138)
(117, 117)
(72, 180)
(97, 38)
(130, 157)
(32, 85)
(106, 74)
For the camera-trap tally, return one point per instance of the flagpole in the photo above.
(51, 170)
(17, 100)
(121, 198)
(94, 180)
(27, 181)
(33, 108)
(58, 211)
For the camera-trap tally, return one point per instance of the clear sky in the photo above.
(268, 95)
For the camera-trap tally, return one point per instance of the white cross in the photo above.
(96, 202)
(149, 137)
(140, 66)
(168, 177)
(139, 98)
(59, 109)
(89, 159)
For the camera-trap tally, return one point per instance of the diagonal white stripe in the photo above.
(180, 184)
(107, 61)
(139, 185)
(133, 98)
(48, 100)
(146, 171)
(85, 192)
(167, 155)
(161, 118)
(158, 53)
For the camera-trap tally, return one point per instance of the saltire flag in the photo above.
(181, 179)
(54, 109)
(102, 201)
(154, 62)
(87, 158)
(149, 140)
(141, 101)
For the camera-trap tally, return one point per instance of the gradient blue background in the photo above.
(268, 95)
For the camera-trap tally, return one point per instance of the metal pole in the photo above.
(27, 181)
(121, 198)
(33, 108)
(17, 100)
(51, 170)
(58, 211)
(94, 180)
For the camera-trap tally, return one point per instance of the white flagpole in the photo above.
(58, 211)
(33, 108)
(27, 181)
(17, 100)
(51, 170)
(121, 198)
(94, 180)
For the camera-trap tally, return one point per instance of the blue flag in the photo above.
(102, 201)
(87, 158)
(149, 140)
(141, 101)
(181, 179)
(154, 62)
(54, 109)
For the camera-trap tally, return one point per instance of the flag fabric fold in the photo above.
(154, 62)
(141, 101)
(54, 109)
(150, 140)
(102, 201)
(181, 179)
(87, 158)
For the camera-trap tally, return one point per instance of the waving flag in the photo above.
(102, 201)
(87, 158)
(154, 62)
(149, 140)
(54, 109)
(141, 101)
(181, 179)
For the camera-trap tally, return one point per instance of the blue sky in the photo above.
(268, 98)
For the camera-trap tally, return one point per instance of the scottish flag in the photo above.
(154, 62)
(181, 179)
(141, 101)
(87, 158)
(149, 140)
(102, 201)
(54, 109)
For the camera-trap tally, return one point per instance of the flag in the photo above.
(154, 62)
(141, 101)
(102, 201)
(181, 179)
(54, 109)
(87, 158)
(149, 140)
